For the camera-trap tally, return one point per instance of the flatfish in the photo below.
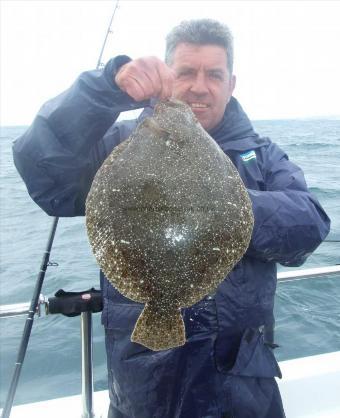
(167, 217)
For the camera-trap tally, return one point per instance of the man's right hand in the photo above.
(144, 78)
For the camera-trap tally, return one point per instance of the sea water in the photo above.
(307, 312)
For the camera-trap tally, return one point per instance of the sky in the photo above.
(287, 60)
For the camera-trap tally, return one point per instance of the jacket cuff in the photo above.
(112, 67)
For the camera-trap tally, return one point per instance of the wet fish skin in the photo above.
(167, 217)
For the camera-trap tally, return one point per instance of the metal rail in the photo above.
(317, 272)
(17, 309)
(86, 365)
(34, 305)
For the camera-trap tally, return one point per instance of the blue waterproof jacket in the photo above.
(224, 369)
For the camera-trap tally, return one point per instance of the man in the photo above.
(225, 369)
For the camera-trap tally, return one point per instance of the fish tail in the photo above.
(159, 329)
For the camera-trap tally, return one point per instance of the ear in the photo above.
(232, 84)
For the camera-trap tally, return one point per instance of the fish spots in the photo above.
(167, 217)
(176, 234)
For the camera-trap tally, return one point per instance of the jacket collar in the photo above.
(235, 131)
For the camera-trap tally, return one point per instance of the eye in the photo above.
(216, 75)
(185, 72)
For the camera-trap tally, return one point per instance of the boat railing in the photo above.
(53, 306)
(302, 274)
(17, 309)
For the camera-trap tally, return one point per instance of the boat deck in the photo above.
(310, 388)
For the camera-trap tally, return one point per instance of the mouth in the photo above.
(199, 109)
(197, 105)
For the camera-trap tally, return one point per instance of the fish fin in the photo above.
(159, 329)
(154, 126)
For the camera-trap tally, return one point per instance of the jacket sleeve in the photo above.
(289, 221)
(58, 156)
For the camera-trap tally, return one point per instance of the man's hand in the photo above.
(145, 78)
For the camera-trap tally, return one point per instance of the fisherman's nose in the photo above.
(199, 85)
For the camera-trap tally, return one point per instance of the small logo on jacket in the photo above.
(249, 155)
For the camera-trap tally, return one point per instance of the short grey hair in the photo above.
(201, 32)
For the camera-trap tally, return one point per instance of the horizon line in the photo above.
(301, 118)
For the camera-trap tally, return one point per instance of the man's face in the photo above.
(203, 81)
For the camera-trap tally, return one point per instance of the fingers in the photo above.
(167, 77)
(144, 78)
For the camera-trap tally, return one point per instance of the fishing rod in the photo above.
(29, 322)
(40, 279)
(108, 32)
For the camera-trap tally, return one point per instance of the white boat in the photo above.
(310, 386)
